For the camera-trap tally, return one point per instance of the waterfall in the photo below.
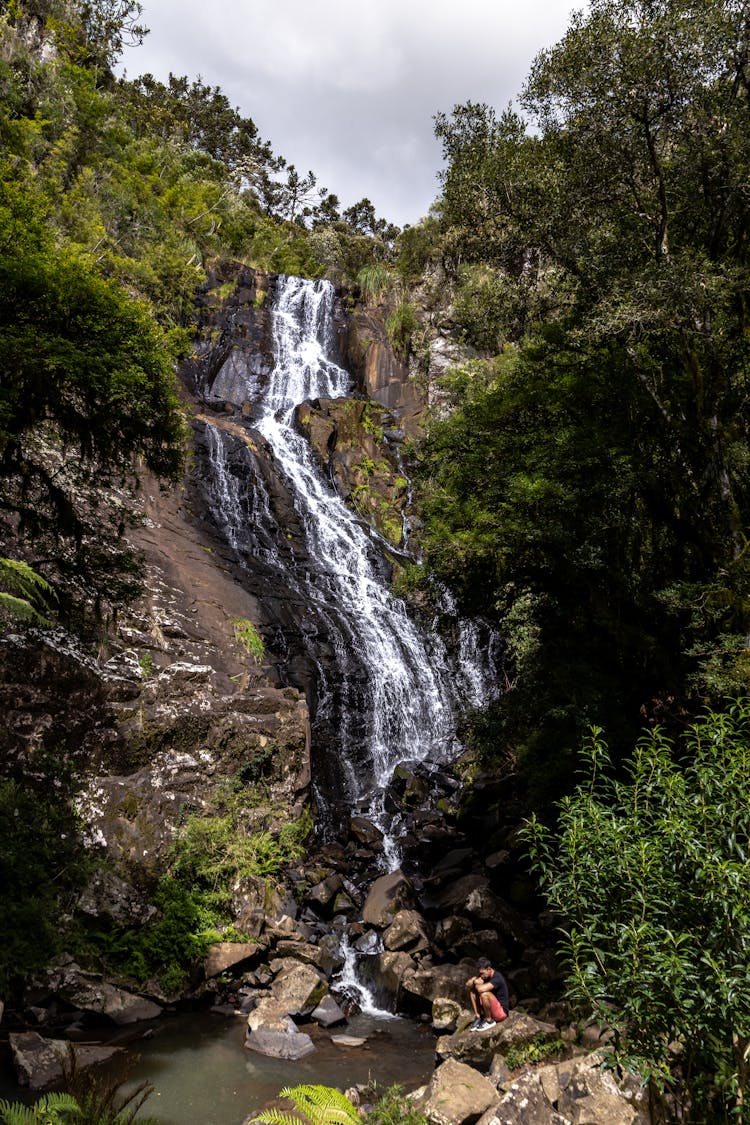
(386, 691)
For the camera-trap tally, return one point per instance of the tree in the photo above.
(616, 231)
(650, 877)
(86, 386)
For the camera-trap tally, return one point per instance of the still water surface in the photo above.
(202, 1074)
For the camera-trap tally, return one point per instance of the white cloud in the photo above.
(349, 88)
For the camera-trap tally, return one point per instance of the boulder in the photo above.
(269, 1015)
(89, 993)
(299, 989)
(524, 1104)
(457, 1095)
(446, 1014)
(107, 895)
(40, 1063)
(290, 1044)
(388, 894)
(324, 892)
(591, 1093)
(366, 832)
(574, 1092)
(317, 955)
(348, 1040)
(449, 981)
(408, 930)
(471, 896)
(228, 955)
(477, 1048)
(328, 1013)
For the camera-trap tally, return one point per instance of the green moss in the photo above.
(249, 637)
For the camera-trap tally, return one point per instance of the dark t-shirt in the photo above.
(500, 988)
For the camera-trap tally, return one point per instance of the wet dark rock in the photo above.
(40, 1062)
(225, 955)
(328, 1013)
(324, 893)
(408, 931)
(387, 895)
(366, 832)
(385, 973)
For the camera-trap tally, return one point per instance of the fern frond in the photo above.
(23, 592)
(323, 1105)
(51, 1109)
(276, 1117)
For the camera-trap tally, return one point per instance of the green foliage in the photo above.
(533, 1052)
(593, 493)
(400, 327)
(321, 1105)
(23, 592)
(374, 281)
(649, 875)
(249, 637)
(50, 1109)
(210, 857)
(42, 866)
(392, 1107)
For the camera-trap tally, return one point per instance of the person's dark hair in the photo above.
(484, 963)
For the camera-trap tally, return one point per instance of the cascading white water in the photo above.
(394, 689)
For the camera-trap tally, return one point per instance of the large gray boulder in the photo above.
(288, 1043)
(525, 1103)
(226, 955)
(388, 894)
(408, 930)
(448, 981)
(477, 1048)
(299, 988)
(40, 1063)
(457, 1095)
(575, 1092)
(90, 993)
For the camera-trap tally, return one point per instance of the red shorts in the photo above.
(498, 1011)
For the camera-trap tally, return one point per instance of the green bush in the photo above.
(42, 866)
(400, 327)
(649, 874)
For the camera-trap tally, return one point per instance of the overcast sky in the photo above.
(348, 88)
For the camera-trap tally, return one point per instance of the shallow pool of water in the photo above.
(202, 1074)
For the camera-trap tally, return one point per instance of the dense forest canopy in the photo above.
(591, 484)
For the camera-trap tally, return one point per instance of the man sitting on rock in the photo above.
(489, 996)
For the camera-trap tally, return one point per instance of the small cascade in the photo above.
(349, 983)
(385, 690)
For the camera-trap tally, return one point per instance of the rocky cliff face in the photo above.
(171, 705)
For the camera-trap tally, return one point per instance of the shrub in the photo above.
(249, 637)
(651, 879)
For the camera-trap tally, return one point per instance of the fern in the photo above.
(51, 1109)
(25, 592)
(321, 1105)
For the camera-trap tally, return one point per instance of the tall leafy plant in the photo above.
(649, 874)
